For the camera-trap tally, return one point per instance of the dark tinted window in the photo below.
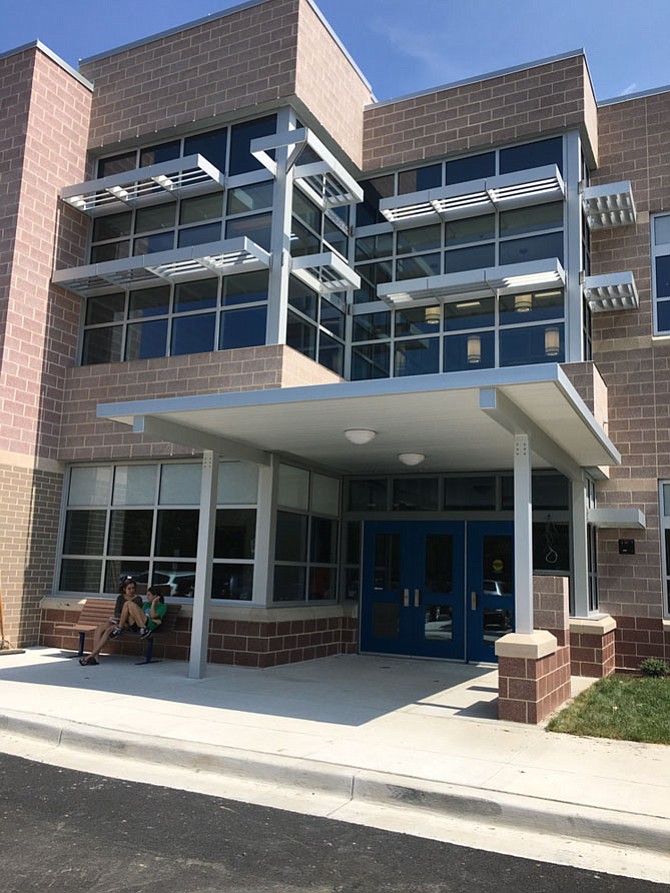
(520, 158)
(241, 159)
(211, 146)
(116, 164)
(420, 178)
(474, 168)
(157, 154)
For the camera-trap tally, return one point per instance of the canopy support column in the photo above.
(197, 665)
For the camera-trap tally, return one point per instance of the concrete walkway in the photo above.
(413, 746)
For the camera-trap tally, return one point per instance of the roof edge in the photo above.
(489, 75)
(222, 13)
(37, 44)
(626, 97)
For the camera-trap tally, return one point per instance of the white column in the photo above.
(523, 535)
(280, 238)
(197, 665)
(580, 562)
(264, 548)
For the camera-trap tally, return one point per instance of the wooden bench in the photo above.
(99, 610)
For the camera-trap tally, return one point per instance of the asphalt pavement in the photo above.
(403, 745)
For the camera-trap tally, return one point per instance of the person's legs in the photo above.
(136, 615)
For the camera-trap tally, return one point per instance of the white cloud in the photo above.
(631, 88)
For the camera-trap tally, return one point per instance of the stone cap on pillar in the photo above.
(535, 645)
(592, 626)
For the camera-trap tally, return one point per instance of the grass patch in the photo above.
(629, 708)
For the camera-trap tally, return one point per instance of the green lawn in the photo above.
(630, 708)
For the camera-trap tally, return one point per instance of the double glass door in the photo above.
(437, 589)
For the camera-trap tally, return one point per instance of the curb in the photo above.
(305, 776)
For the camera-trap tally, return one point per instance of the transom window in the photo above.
(143, 520)
(169, 320)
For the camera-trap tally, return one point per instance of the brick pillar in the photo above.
(593, 646)
(534, 668)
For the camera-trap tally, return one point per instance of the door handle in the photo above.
(417, 598)
(473, 601)
(405, 598)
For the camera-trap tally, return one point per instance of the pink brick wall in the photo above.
(328, 85)
(633, 139)
(521, 105)
(40, 323)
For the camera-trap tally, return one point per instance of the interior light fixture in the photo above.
(552, 342)
(474, 349)
(523, 303)
(432, 315)
(411, 458)
(360, 435)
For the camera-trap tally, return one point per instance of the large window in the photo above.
(169, 320)
(665, 541)
(143, 520)
(515, 236)
(660, 252)
(471, 333)
(306, 536)
(458, 170)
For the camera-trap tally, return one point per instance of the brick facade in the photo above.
(280, 56)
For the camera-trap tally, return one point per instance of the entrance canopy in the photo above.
(459, 422)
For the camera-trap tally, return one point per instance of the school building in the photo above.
(338, 374)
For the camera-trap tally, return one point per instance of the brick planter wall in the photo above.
(638, 638)
(593, 654)
(266, 642)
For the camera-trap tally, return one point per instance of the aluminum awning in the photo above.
(517, 189)
(462, 421)
(191, 175)
(504, 279)
(609, 205)
(239, 255)
(613, 291)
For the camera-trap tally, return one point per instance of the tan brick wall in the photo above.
(235, 61)
(633, 137)
(550, 606)
(328, 85)
(520, 105)
(245, 369)
(40, 323)
(28, 533)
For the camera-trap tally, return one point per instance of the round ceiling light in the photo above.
(360, 435)
(411, 458)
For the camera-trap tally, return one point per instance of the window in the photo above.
(169, 320)
(660, 252)
(315, 325)
(471, 333)
(142, 519)
(665, 541)
(307, 536)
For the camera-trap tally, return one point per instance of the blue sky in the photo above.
(402, 46)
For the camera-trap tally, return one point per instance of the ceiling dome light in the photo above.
(411, 458)
(360, 435)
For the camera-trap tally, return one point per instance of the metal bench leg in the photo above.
(82, 639)
(149, 653)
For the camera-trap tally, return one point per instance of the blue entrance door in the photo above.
(437, 588)
(490, 586)
(413, 584)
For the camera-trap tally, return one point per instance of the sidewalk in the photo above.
(338, 735)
